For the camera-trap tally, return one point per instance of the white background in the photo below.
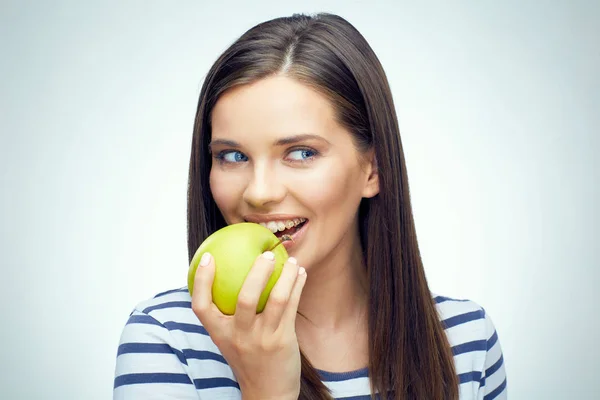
(499, 107)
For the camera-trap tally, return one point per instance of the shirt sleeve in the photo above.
(149, 365)
(493, 382)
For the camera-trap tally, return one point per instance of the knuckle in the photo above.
(240, 343)
(278, 299)
(198, 308)
(199, 278)
(272, 346)
(245, 301)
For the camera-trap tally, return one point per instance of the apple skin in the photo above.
(235, 249)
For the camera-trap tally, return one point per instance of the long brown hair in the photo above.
(409, 354)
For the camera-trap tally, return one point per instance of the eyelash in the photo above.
(220, 156)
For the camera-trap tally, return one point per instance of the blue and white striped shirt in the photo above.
(165, 352)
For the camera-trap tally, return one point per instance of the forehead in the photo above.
(275, 106)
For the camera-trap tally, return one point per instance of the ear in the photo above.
(371, 169)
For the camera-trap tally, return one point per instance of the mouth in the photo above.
(295, 232)
(293, 228)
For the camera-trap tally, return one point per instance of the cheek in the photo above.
(225, 191)
(333, 187)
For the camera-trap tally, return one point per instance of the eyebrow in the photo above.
(299, 138)
(281, 142)
(223, 142)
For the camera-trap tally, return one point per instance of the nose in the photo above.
(264, 188)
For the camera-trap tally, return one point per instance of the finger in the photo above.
(280, 294)
(254, 284)
(289, 315)
(202, 303)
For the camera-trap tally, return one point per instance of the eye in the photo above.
(302, 154)
(232, 156)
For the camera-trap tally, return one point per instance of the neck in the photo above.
(336, 290)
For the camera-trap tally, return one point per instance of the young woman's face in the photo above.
(280, 159)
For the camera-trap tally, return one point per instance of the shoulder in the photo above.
(173, 305)
(171, 313)
(462, 318)
(468, 326)
(475, 345)
(163, 339)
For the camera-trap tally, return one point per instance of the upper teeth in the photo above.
(278, 226)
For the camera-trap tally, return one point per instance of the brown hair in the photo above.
(409, 354)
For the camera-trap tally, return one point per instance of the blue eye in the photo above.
(302, 154)
(232, 156)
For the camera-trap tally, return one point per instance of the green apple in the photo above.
(235, 249)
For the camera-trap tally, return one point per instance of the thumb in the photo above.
(201, 292)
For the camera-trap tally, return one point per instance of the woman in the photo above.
(296, 129)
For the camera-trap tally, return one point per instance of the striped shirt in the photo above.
(165, 352)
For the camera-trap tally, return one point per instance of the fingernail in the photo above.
(205, 260)
(301, 271)
(292, 260)
(269, 255)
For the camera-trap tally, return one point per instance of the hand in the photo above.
(261, 349)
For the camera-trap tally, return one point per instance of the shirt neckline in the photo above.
(343, 376)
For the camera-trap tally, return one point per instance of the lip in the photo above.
(258, 218)
(296, 236)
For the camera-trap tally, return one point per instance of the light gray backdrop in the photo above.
(499, 106)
